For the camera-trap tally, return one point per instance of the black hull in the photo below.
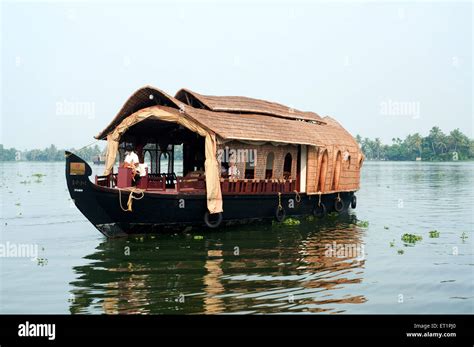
(160, 212)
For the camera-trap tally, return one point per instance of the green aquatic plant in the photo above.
(287, 222)
(363, 224)
(392, 243)
(411, 238)
(38, 177)
(291, 221)
(463, 236)
(310, 218)
(42, 261)
(400, 251)
(198, 237)
(25, 182)
(333, 215)
(434, 234)
(386, 228)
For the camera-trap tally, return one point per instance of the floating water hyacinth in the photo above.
(363, 224)
(38, 177)
(411, 238)
(291, 221)
(434, 234)
(42, 261)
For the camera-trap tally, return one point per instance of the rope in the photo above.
(297, 196)
(319, 203)
(279, 202)
(338, 197)
(77, 150)
(90, 144)
(131, 197)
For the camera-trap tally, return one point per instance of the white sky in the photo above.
(353, 61)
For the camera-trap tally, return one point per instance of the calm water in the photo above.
(251, 269)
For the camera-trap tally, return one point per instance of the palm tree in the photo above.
(435, 138)
(377, 147)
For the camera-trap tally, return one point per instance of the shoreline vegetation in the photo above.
(52, 154)
(436, 146)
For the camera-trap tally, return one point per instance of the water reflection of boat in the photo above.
(285, 270)
(243, 160)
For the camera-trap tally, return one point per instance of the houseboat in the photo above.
(214, 161)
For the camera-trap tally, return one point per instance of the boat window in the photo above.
(249, 169)
(148, 161)
(224, 169)
(287, 166)
(269, 165)
(164, 162)
(178, 157)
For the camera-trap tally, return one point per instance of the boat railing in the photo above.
(106, 180)
(156, 181)
(164, 181)
(189, 184)
(257, 186)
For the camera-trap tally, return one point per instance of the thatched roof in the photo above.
(263, 126)
(241, 104)
(254, 127)
(144, 97)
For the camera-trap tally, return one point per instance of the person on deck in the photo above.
(233, 170)
(131, 161)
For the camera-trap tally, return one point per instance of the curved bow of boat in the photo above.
(87, 197)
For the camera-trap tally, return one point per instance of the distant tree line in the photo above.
(48, 154)
(54, 154)
(437, 146)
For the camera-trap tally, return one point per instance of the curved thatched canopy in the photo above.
(144, 97)
(269, 121)
(241, 104)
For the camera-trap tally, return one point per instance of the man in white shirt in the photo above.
(131, 158)
(131, 161)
